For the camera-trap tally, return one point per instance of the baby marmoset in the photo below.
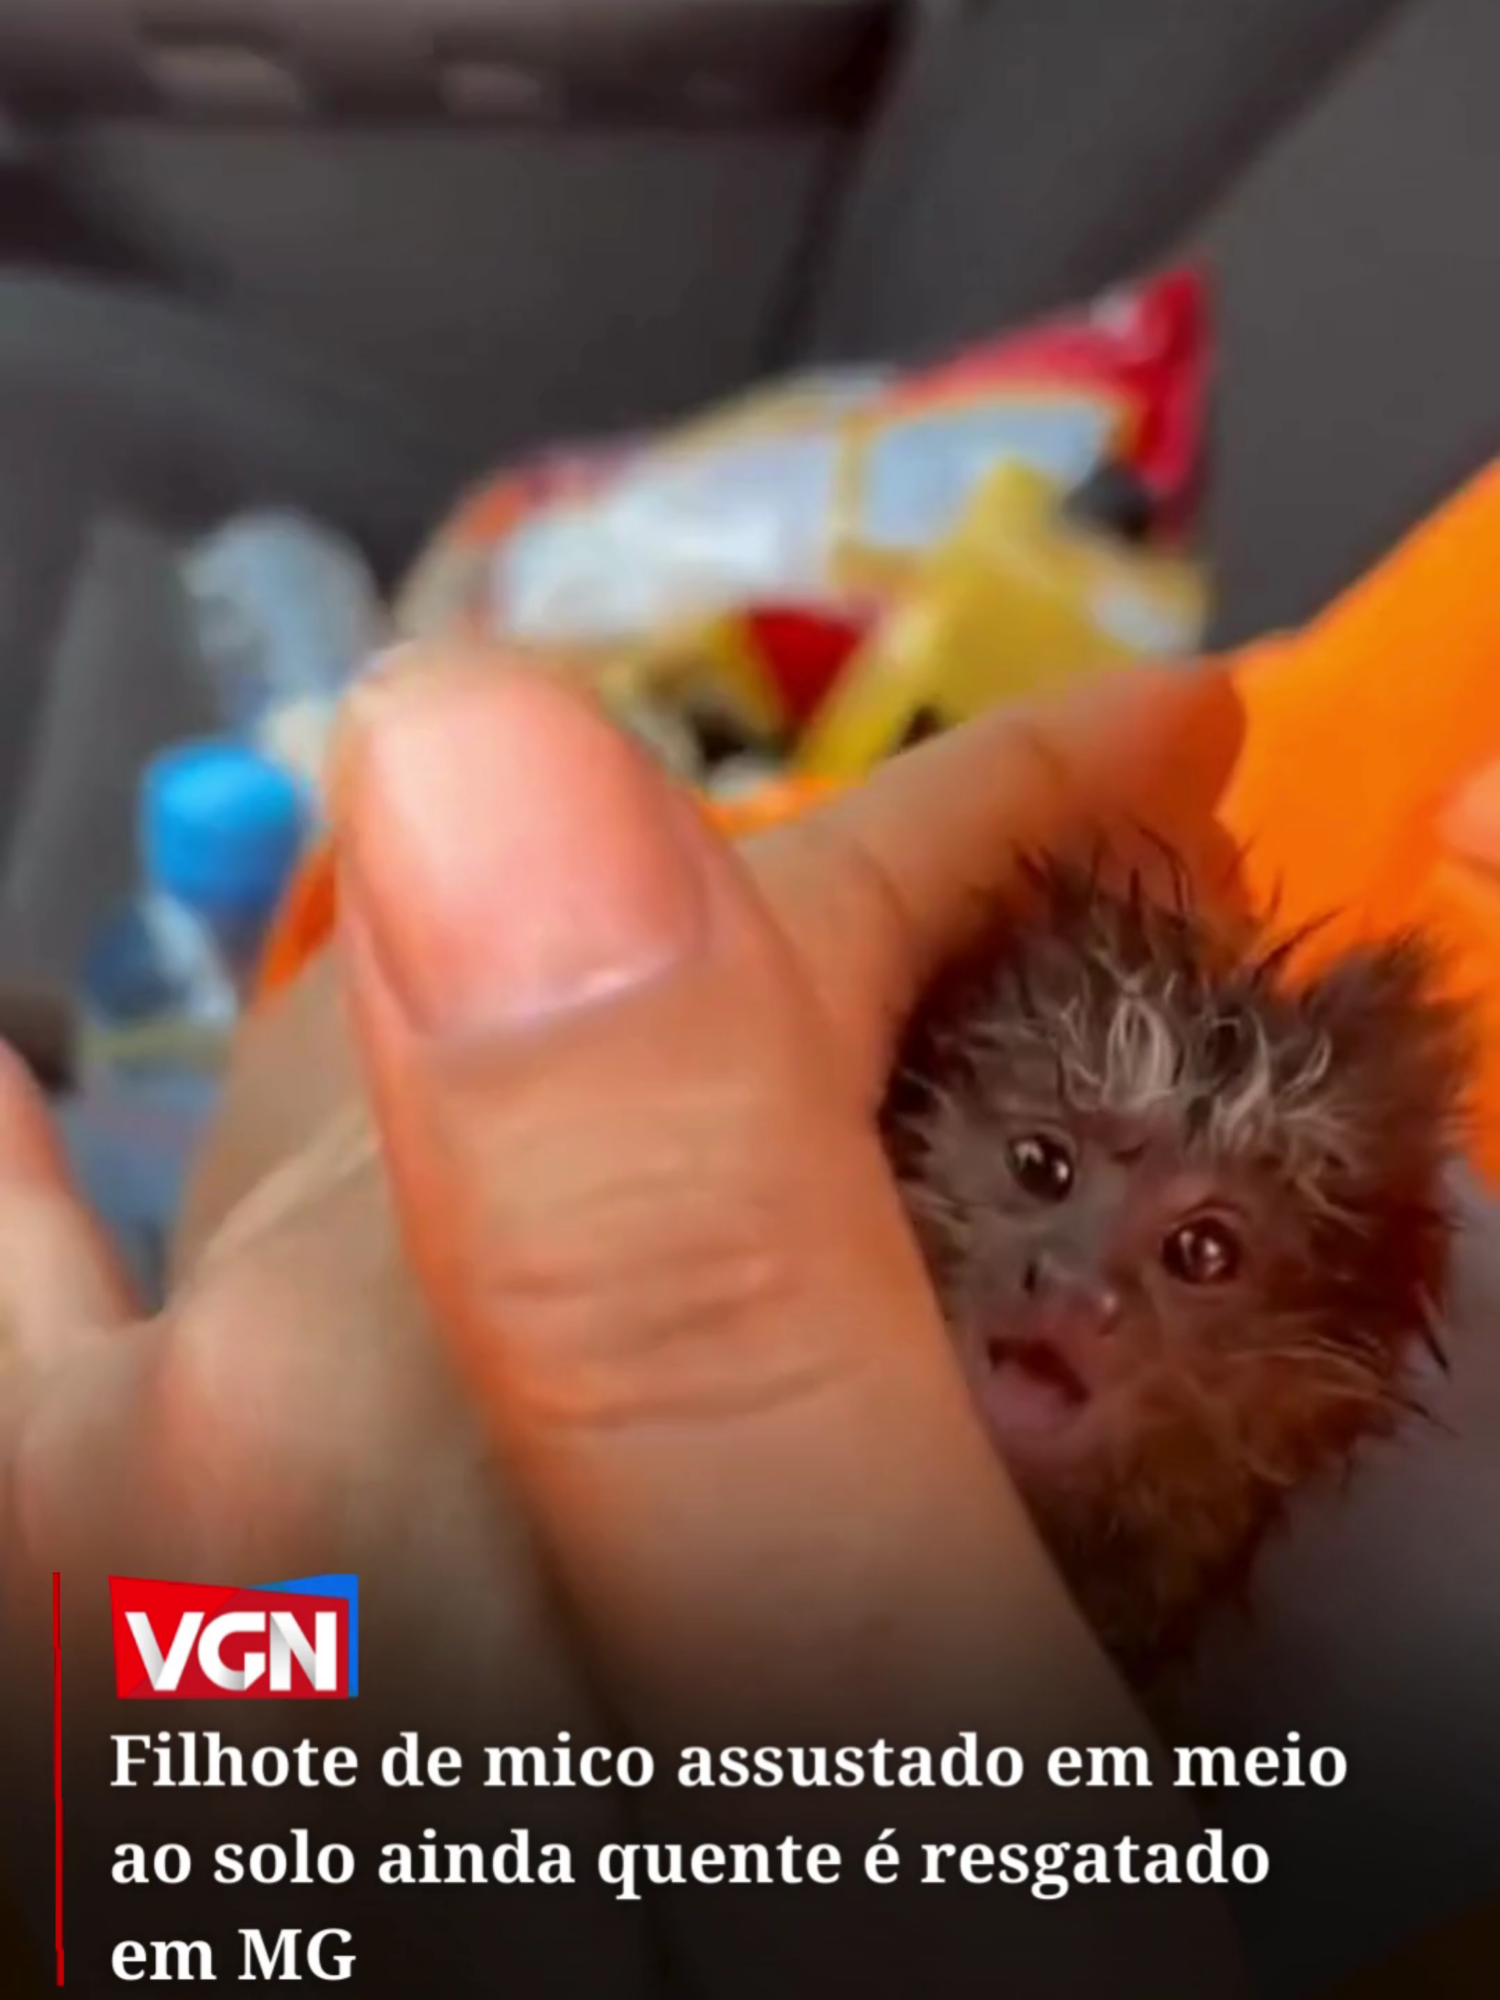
(1187, 1222)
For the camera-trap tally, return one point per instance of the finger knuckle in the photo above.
(652, 1271)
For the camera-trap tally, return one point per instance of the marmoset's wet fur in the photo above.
(1187, 1222)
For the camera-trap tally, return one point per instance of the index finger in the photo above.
(877, 888)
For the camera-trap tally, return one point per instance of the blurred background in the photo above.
(299, 273)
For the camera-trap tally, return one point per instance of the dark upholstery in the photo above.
(1361, 308)
(122, 421)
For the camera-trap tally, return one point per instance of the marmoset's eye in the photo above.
(1043, 1166)
(1205, 1251)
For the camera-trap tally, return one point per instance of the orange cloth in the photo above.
(1363, 729)
(1368, 788)
(303, 925)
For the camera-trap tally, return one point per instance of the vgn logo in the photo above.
(208, 1642)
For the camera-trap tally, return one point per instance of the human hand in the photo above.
(626, 1090)
(819, 1451)
(626, 1086)
(285, 1415)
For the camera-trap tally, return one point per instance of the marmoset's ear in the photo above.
(1398, 1086)
(1403, 1053)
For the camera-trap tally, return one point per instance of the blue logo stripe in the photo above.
(346, 1587)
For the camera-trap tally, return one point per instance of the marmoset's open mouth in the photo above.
(1029, 1386)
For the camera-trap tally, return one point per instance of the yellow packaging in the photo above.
(1018, 601)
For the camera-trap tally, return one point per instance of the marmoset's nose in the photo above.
(1049, 1278)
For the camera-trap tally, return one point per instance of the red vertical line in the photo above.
(57, 1805)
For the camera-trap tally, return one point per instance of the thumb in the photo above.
(652, 1214)
(61, 1284)
(65, 1311)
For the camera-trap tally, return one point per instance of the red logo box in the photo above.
(294, 1641)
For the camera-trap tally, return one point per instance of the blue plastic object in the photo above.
(220, 827)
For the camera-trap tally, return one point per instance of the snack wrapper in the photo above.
(720, 583)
